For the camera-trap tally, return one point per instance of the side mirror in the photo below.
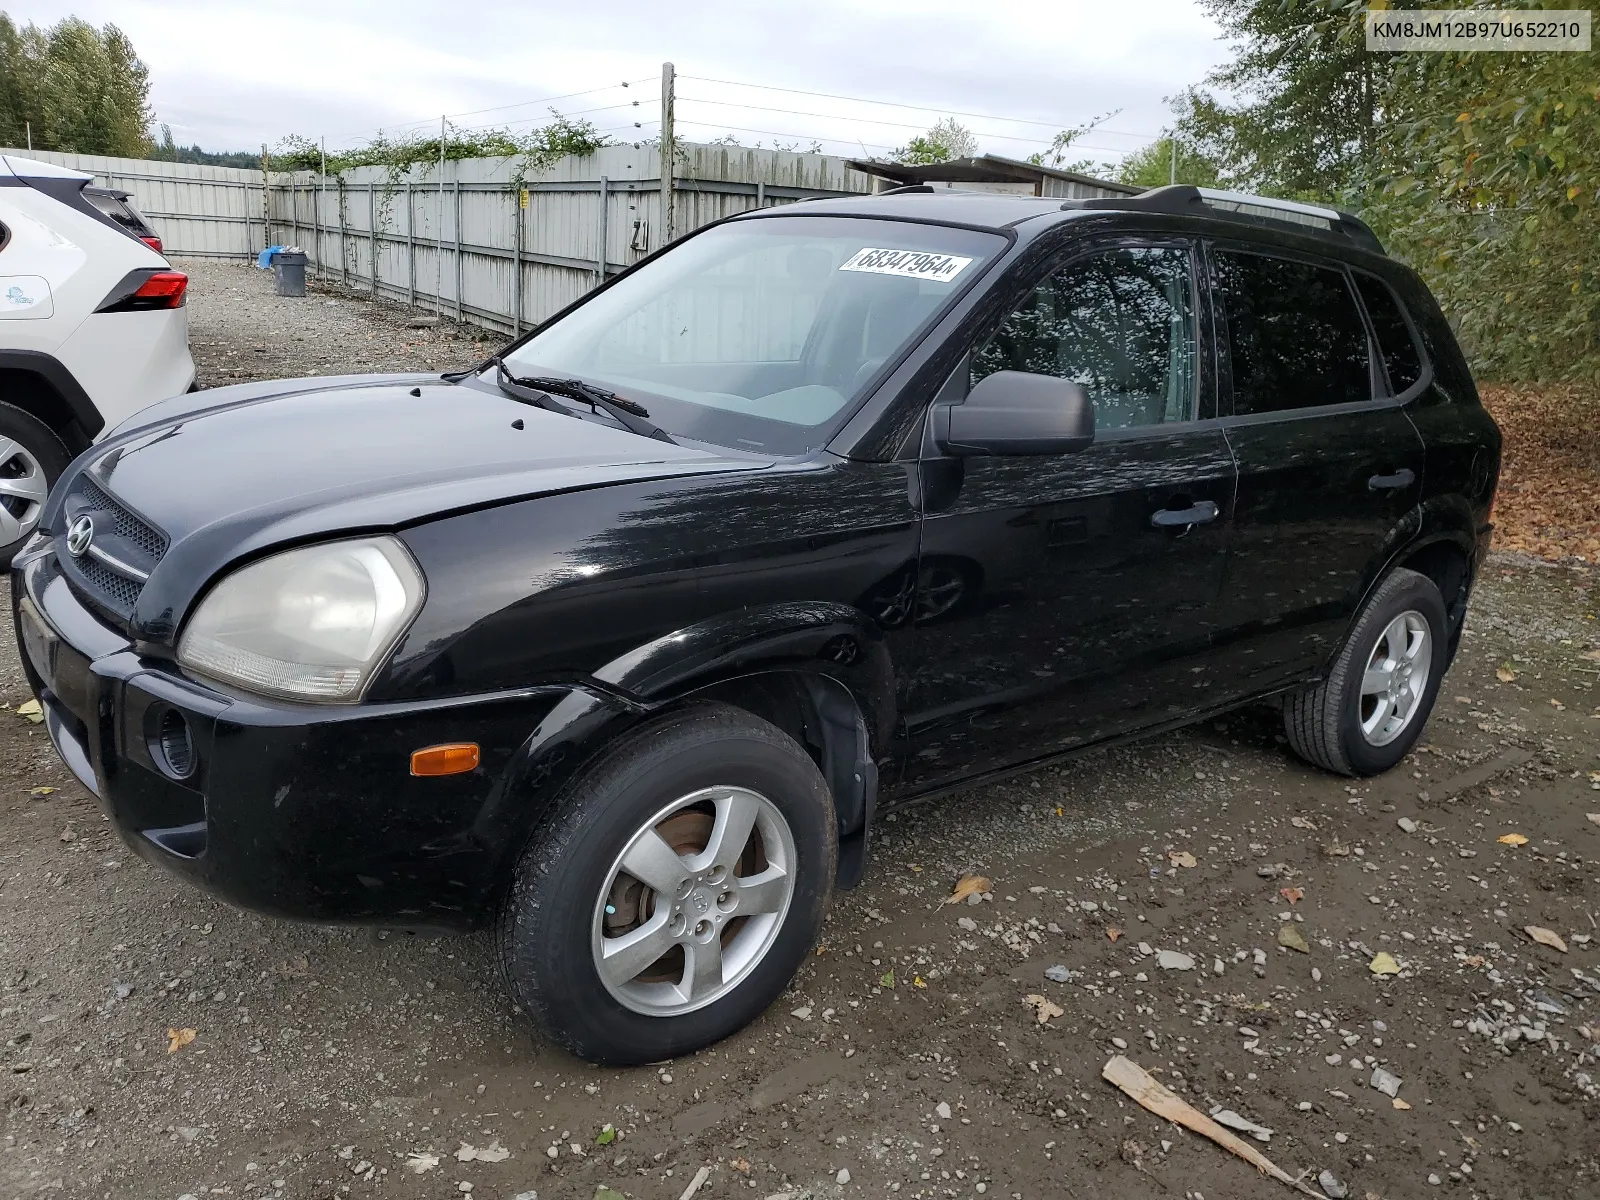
(1016, 412)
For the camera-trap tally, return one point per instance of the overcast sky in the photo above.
(231, 74)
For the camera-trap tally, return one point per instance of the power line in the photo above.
(804, 137)
(767, 87)
(1004, 137)
(496, 108)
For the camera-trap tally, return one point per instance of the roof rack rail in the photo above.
(908, 187)
(1186, 200)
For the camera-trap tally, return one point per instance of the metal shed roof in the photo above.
(995, 169)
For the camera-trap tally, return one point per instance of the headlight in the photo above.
(308, 624)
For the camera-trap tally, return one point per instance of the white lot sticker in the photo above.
(913, 264)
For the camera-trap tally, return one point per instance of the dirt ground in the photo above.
(907, 1061)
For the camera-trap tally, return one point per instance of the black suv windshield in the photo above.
(761, 333)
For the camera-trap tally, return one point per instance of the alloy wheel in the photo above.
(1396, 678)
(694, 901)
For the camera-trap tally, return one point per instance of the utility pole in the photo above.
(438, 235)
(1173, 175)
(322, 197)
(669, 150)
(266, 199)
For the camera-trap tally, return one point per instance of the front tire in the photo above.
(32, 458)
(1369, 711)
(673, 890)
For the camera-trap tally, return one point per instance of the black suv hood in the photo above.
(229, 473)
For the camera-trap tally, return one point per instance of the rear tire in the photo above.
(1369, 711)
(623, 972)
(32, 458)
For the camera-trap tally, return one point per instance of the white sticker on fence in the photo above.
(913, 264)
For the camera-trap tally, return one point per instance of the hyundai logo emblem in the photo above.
(79, 534)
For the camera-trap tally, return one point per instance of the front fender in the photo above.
(818, 637)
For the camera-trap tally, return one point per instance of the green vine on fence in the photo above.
(531, 152)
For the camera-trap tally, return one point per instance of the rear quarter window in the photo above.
(1452, 379)
(1397, 345)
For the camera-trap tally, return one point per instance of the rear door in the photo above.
(1066, 598)
(1330, 466)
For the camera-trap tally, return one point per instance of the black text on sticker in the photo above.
(914, 264)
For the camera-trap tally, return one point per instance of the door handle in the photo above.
(1402, 478)
(1195, 514)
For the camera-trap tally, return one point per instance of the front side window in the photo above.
(1121, 324)
(761, 333)
(1294, 333)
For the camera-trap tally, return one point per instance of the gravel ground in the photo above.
(1151, 894)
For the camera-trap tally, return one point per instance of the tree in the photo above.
(1153, 166)
(79, 89)
(1306, 110)
(946, 140)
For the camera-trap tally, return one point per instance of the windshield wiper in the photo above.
(629, 413)
(517, 389)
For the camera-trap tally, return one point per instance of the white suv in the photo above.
(92, 328)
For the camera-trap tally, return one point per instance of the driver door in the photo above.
(1069, 598)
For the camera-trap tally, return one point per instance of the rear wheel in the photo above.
(674, 889)
(1366, 715)
(32, 458)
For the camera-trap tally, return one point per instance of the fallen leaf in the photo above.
(69, 834)
(42, 791)
(492, 1153)
(1545, 938)
(1383, 963)
(29, 710)
(1043, 1009)
(1337, 849)
(1400, 1104)
(969, 885)
(1473, 960)
(918, 981)
(1512, 839)
(608, 1193)
(1302, 822)
(915, 868)
(741, 1165)
(888, 979)
(420, 1161)
(1557, 705)
(1289, 935)
(1505, 674)
(1292, 895)
(1180, 858)
(1113, 932)
(177, 1039)
(607, 1135)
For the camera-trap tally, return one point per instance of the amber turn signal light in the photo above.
(453, 758)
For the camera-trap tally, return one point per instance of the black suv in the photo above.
(617, 642)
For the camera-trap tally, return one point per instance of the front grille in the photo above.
(124, 550)
(124, 524)
(117, 591)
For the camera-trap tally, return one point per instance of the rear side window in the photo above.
(1395, 342)
(1121, 324)
(1295, 335)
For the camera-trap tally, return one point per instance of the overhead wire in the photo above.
(1004, 137)
(950, 112)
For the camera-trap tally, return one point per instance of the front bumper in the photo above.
(303, 811)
